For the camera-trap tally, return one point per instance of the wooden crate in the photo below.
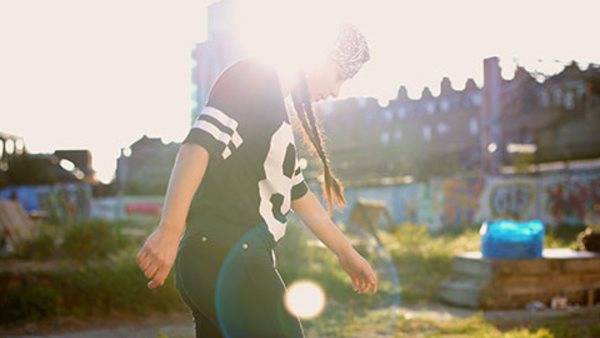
(485, 283)
(15, 224)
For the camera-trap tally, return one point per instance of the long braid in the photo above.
(332, 187)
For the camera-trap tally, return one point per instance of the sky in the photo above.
(99, 75)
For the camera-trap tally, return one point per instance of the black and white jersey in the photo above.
(253, 172)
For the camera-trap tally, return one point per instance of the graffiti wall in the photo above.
(139, 208)
(571, 199)
(556, 199)
(63, 202)
(460, 200)
(514, 198)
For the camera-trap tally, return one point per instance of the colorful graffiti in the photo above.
(556, 199)
(461, 200)
(63, 202)
(512, 199)
(574, 200)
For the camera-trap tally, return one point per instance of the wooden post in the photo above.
(590, 297)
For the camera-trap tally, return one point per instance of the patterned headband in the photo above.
(350, 51)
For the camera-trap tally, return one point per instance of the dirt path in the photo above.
(171, 331)
(181, 325)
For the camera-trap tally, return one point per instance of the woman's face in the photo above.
(324, 81)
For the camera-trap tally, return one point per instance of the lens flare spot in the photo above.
(305, 299)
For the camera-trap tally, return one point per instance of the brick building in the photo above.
(471, 130)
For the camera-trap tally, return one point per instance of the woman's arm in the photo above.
(314, 216)
(158, 254)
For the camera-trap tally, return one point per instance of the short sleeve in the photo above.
(216, 131)
(217, 127)
(299, 186)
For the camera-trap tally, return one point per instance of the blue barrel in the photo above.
(509, 239)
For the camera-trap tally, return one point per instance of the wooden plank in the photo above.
(582, 265)
(461, 292)
(525, 284)
(19, 221)
(513, 283)
(472, 267)
(15, 223)
(11, 234)
(554, 261)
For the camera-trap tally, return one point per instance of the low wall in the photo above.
(556, 199)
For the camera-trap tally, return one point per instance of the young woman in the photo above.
(234, 181)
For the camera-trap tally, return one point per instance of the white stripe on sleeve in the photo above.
(226, 121)
(212, 130)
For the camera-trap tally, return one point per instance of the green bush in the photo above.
(28, 302)
(93, 239)
(97, 287)
(41, 247)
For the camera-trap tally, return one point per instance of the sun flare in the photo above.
(305, 299)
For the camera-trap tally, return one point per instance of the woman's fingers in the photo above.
(161, 275)
(369, 280)
(151, 270)
(354, 284)
(146, 263)
(140, 256)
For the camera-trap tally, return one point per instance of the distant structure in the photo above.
(82, 159)
(478, 130)
(144, 167)
(215, 54)
(10, 145)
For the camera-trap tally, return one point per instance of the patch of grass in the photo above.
(93, 239)
(473, 326)
(95, 287)
(28, 302)
(562, 237)
(424, 260)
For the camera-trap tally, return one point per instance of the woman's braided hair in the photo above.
(332, 187)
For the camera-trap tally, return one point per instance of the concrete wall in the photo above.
(556, 199)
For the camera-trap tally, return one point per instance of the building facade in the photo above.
(212, 56)
(144, 168)
(474, 130)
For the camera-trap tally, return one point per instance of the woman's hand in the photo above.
(362, 275)
(157, 256)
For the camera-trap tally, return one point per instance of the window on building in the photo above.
(427, 133)
(401, 112)
(430, 107)
(385, 137)
(556, 97)
(544, 99)
(442, 128)
(473, 126)
(387, 115)
(476, 99)
(580, 89)
(569, 100)
(397, 135)
(445, 105)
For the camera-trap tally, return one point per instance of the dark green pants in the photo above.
(232, 285)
